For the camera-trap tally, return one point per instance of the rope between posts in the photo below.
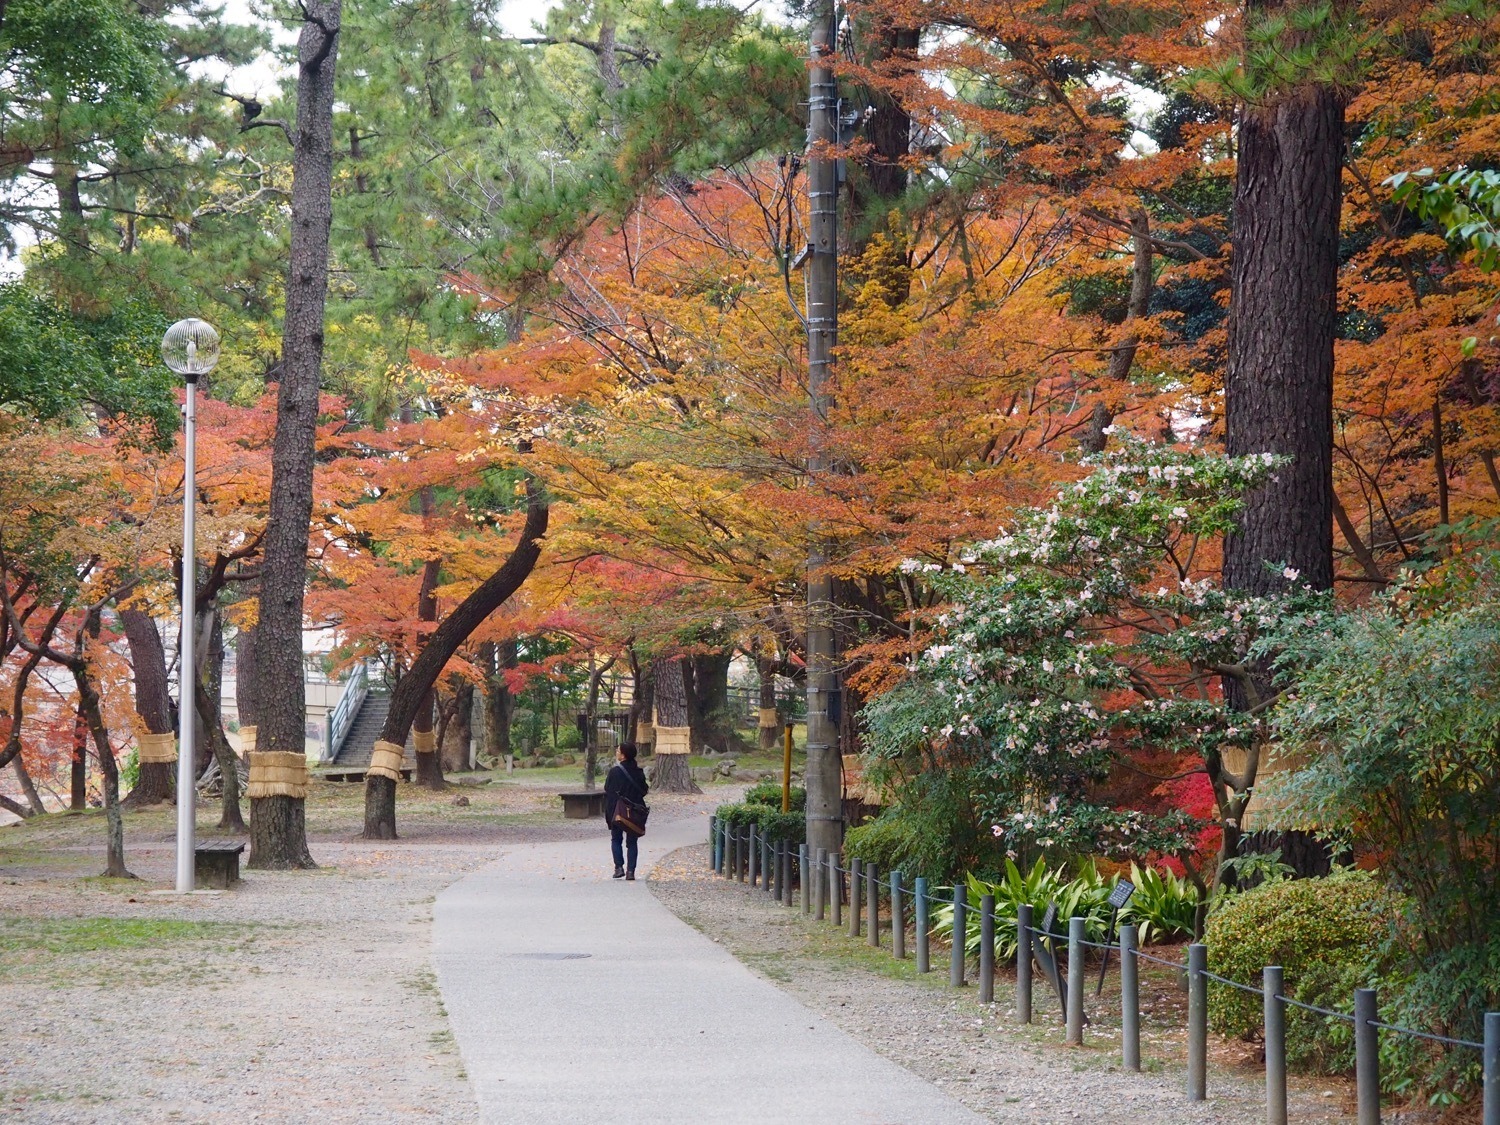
(1427, 1035)
(1348, 1017)
(1159, 960)
(1233, 983)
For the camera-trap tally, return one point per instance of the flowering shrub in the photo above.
(1093, 629)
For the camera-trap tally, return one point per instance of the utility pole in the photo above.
(825, 787)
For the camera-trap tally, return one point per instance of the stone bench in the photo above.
(217, 864)
(583, 805)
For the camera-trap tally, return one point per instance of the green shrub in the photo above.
(568, 738)
(130, 771)
(768, 819)
(885, 841)
(769, 793)
(1326, 934)
(934, 830)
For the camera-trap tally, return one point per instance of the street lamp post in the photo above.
(190, 348)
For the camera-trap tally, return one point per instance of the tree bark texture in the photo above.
(673, 709)
(460, 733)
(278, 832)
(90, 708)
(770, 736)
(247, 694)
(429, 770)
(499, 704)
(1283, 306)
(153, 704)
(1282, 322)
(707, 678)
(208, 692)
(457, 627)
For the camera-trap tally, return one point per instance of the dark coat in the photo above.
(625, 779)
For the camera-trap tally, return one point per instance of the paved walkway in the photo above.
(577, 998)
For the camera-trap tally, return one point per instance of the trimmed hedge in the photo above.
(769, 820)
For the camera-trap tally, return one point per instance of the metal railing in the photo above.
(342, 717)
(823, 885)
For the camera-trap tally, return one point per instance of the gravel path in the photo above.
(1000, 1070)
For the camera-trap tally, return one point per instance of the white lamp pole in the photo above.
(190, 348)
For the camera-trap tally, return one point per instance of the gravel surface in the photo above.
(298, 996)
(978, 1054)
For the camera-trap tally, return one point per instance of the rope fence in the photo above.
(822, 885)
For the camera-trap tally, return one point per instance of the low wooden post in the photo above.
(960, 935)
(1274, 1009)
(1366, 1057)
(1130, 998)
(1491, 1113)
(898, 918)
(987, 949)
(803, 889)
(713, 843)
(921, 906)
(785, 874)
(872, 903)
(754, 859)
(836, 888)
(856, 880)
(1197, 1045)
(1075, 981)
(820, 885)
(1023, 962)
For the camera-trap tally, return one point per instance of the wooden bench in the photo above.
(583, 805)
(217, 864)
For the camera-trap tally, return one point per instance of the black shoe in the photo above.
(619, 873)
(630, 876)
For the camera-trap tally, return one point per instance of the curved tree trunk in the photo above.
(278, 833)
(457, 627)
(153, 703)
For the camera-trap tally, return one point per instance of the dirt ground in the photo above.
(297, 996)
(1001, 1069)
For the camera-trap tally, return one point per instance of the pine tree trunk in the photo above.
(1283, 318)
(1283, 308)
(153, 703)
(278, 832)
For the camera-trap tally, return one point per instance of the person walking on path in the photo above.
(626, 781)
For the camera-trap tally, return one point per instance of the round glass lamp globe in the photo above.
(190, 347)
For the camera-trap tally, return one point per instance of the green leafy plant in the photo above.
(130, 770)
(1163, 907)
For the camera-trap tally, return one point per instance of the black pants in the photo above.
(617, 836)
